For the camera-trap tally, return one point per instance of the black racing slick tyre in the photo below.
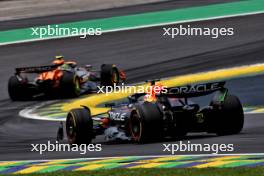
(70, 85)
(16, 90)
(109, 75)
(79, 126)
(146, 123)
(230, 116)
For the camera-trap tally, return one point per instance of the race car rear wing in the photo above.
(194, 90)
(39, 69)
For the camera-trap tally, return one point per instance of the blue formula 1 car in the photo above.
(171, 114)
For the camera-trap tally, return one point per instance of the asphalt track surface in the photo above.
(144, 54)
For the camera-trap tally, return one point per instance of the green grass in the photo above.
(242, 171)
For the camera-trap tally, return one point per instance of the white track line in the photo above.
(139, 27)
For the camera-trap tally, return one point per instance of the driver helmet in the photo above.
(58, 60)
(88, 67)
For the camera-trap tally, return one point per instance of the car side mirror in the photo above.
(109, 105)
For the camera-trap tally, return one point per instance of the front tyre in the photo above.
(79, 126)
(109, 75)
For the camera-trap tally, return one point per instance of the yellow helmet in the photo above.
(58, 60)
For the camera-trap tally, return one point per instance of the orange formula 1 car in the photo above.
(62, 79)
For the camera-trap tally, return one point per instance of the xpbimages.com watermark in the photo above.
(183, 30)
(131, 89)
(58, 147)
(56, 30)
(191, 147)
(157, 89)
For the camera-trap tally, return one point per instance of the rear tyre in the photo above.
(16, 90)
(146, 123)
(109, 75)
(79, 126)
(230, 116)
(70, 85)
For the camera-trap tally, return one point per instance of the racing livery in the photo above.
(171, 114)
(62, 79)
